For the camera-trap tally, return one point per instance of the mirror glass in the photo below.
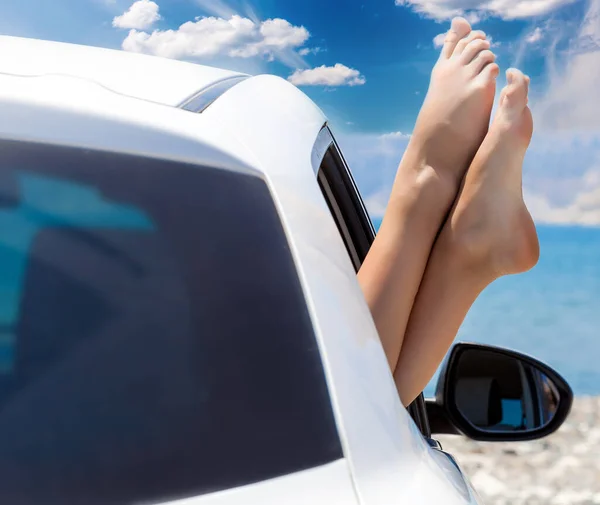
(496, 392)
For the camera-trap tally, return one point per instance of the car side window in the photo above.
(345, 203)
(155, 342)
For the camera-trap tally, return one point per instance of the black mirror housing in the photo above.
(493, 394)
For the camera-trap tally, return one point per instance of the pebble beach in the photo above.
(561, 469)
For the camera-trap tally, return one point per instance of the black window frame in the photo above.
(354, 223)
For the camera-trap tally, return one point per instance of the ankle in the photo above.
(490, 252)
(421, 182)
(467, 247)
(442, 157)
(419, 202)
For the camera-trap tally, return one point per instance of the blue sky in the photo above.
(367, 65)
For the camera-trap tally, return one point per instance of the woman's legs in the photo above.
(451, 125)
(489, 233)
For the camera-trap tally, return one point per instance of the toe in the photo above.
(483, 59)
(514, 94)
(502, 97)
(473, 49)
(459, 29)
(489, 73)
(465, 41)
(507, 88)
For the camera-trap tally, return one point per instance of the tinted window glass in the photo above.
(346, 206)
(154, 339)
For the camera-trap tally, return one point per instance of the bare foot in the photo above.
(489, 233)
(452, 124)
(490, 221)
(456, 112)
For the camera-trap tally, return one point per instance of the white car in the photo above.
(181, 320)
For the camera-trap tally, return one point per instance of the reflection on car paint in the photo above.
(452, 471)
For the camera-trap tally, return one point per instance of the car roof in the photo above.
(103, 99)
(156, 79)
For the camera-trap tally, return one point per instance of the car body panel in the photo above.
(66, 111)
(160, 80)
(325, 485)
(266, 126)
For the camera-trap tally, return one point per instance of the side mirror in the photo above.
(493, 394)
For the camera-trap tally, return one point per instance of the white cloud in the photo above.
(493, 43)
(141, 15)
(589, 33)
(571, 100)
(310, 50)
(584, 209)
(207, 37)
(550, 31)
(535, 36)
(280, 34)
(472, 17)
(376, 203)
(338, 75)
(438, 40)
(474, 10)
(394, 136)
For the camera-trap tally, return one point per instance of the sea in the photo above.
(551, 312)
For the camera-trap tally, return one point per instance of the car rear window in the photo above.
(154, 339)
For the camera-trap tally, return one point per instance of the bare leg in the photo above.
(489, 233)
(451, 125)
